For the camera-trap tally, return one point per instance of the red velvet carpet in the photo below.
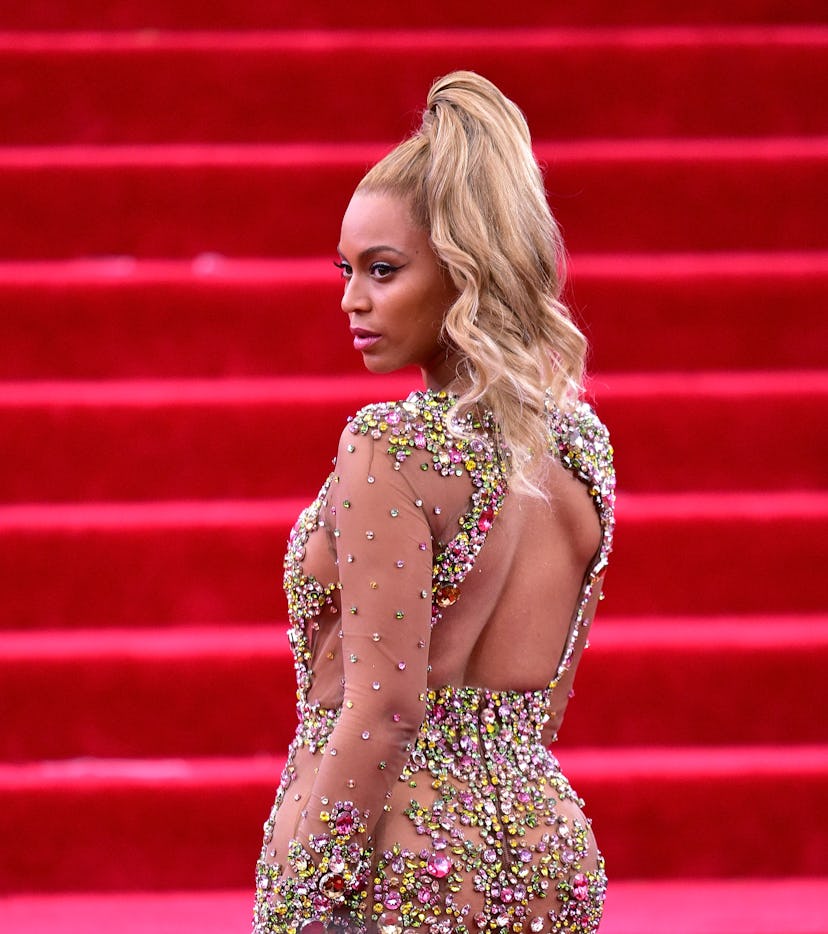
(175, 372)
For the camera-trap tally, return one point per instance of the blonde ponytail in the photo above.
(472, 181)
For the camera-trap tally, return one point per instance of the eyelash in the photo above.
(387, 269)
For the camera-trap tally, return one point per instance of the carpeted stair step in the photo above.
(238, 439)
(208, 691)
(771, 905)
(703, 311)
(284, 14)
(680, 906)
(176, 824)
(700, 681)
(122, 564)
(185, 200)
(121, 318)
(277, 86)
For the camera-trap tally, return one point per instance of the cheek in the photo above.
(434, 303)
(427, 326)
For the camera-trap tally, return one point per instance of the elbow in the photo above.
(393, 718)
(409, 716)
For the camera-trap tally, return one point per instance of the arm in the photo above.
(384, 554)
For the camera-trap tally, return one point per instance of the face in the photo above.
(396, 292)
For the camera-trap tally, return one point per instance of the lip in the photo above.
(364, 339)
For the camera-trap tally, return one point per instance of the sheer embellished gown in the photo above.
(436, 622)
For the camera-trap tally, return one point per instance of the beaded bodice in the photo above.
(419, 424)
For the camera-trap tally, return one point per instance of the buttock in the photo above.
(486, 855)
(483, 830)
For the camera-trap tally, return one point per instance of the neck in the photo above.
(443, 372)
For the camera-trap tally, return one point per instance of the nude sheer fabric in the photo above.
(402, 676)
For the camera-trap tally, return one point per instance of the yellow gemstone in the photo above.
(446, 595)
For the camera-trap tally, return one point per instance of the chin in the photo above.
(378, 365)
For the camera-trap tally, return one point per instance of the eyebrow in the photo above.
(372, 250)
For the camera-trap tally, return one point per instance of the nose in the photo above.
(354, 296)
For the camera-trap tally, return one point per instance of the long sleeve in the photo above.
(384, 555)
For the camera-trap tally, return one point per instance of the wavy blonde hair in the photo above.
(472, 182)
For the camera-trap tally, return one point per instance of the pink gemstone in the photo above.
(345, 823)
(389, 923)
(486, 520)
(580, 887)
(438, 865)
(392, 901)
(424, 896)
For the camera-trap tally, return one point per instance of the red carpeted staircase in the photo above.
(175, 371)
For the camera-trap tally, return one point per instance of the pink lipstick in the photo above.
(364, 339)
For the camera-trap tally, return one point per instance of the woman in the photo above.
(433, 672)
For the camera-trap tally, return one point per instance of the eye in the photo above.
(345, 269)
(383, 270)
